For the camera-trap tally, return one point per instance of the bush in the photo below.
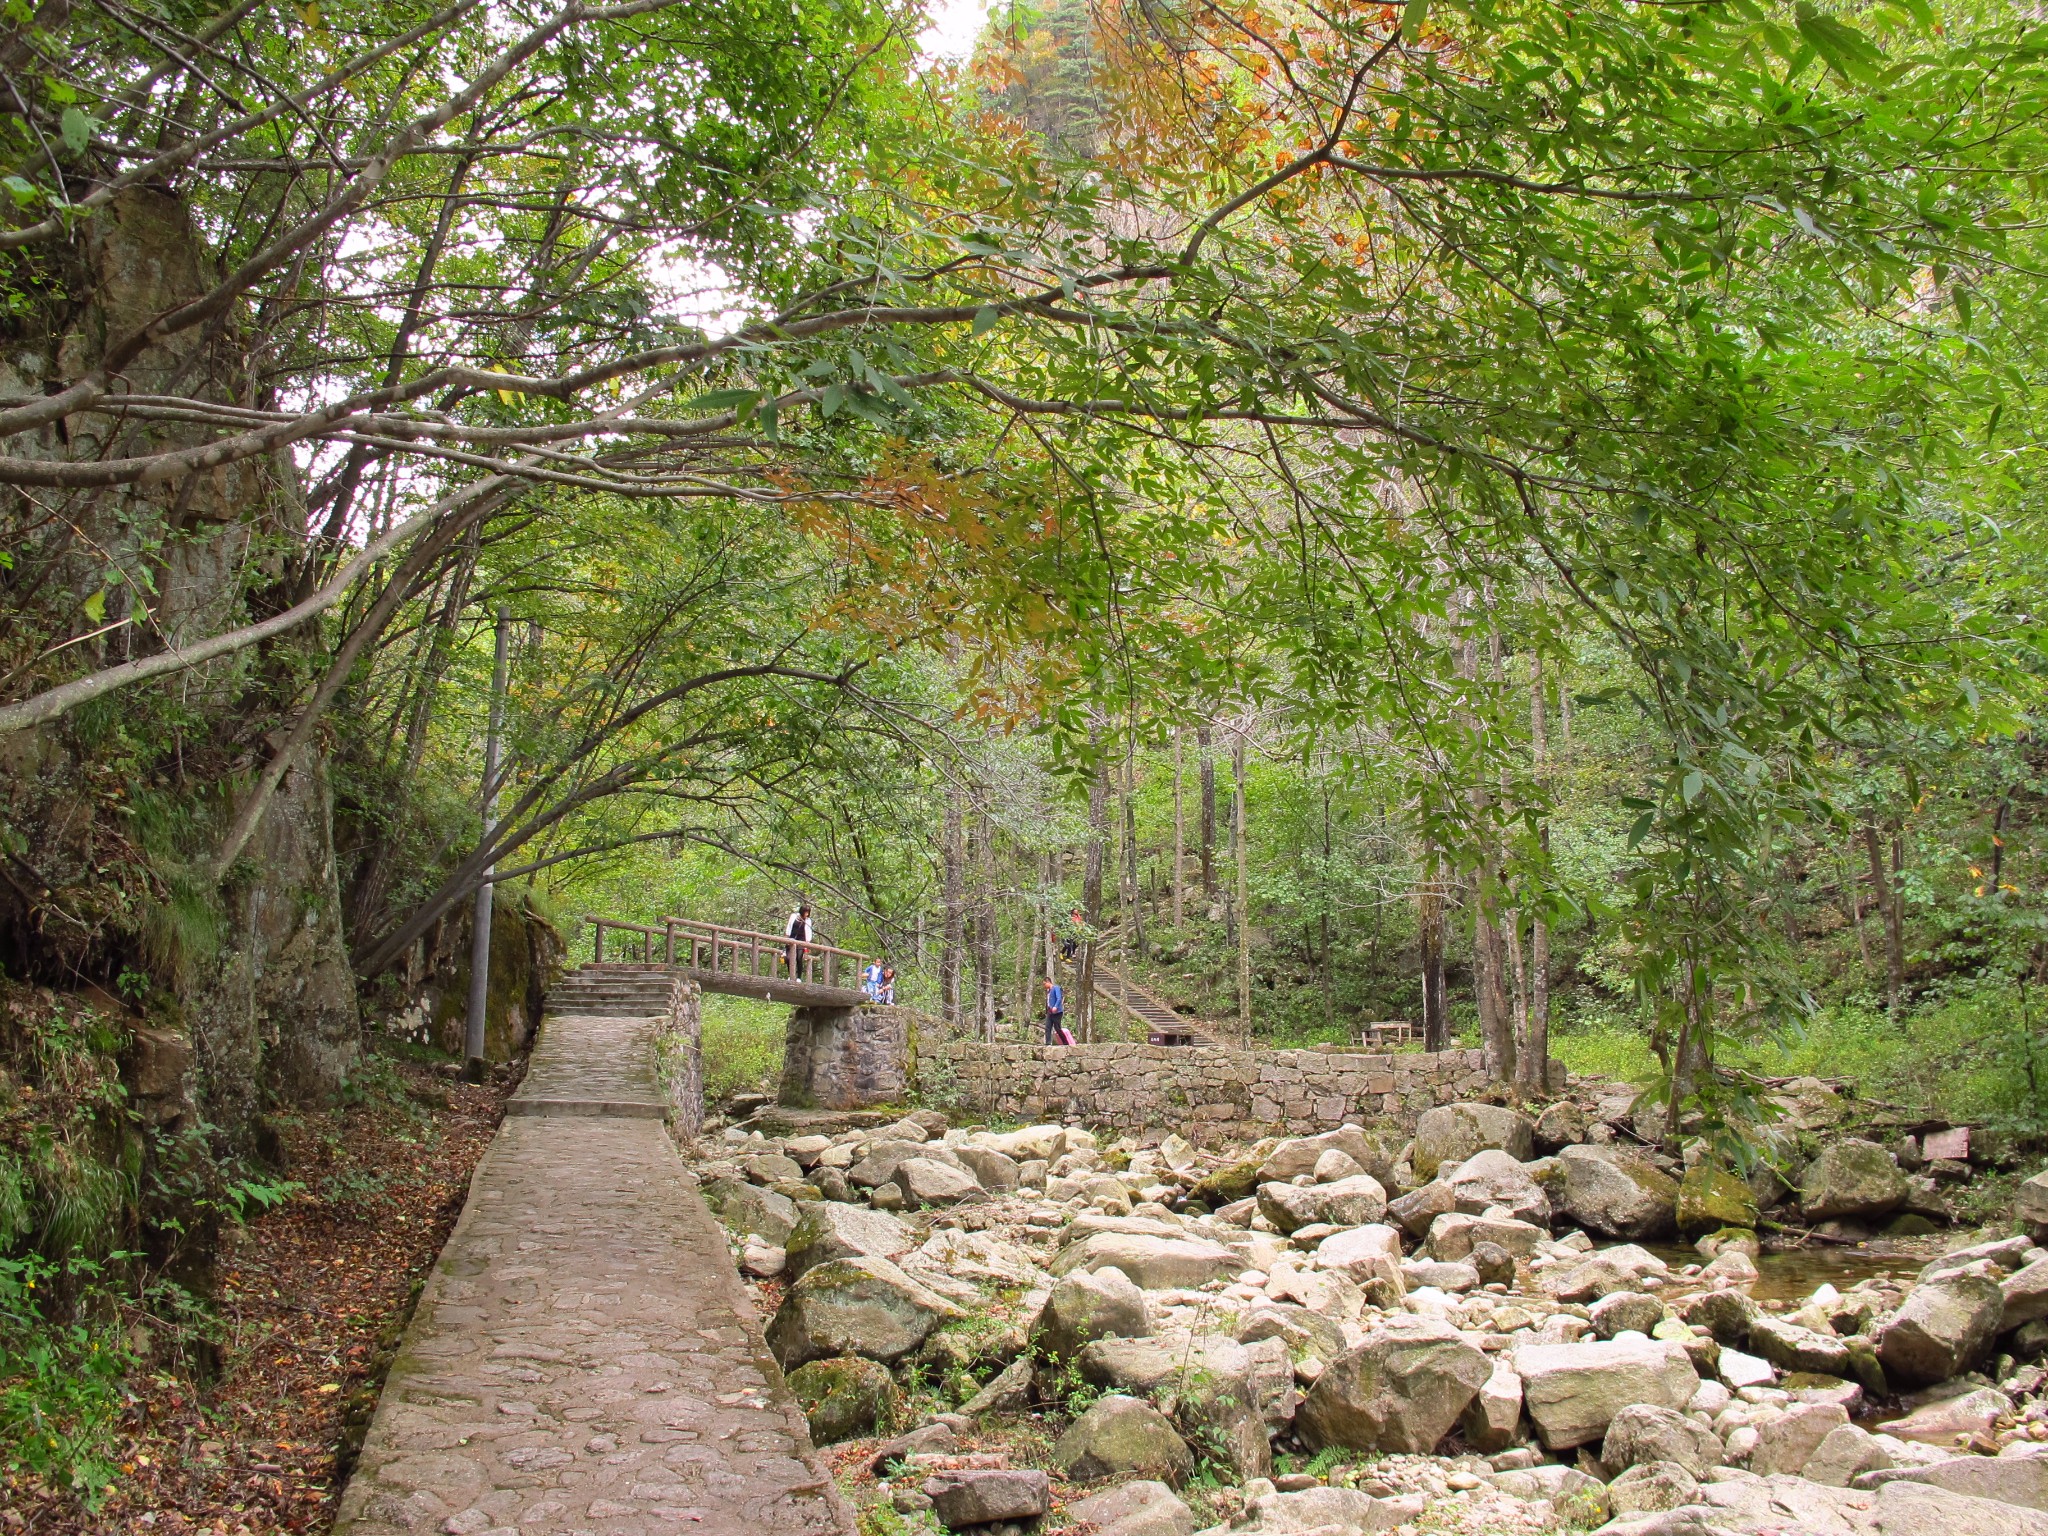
(60, 1384)
(742, 1046)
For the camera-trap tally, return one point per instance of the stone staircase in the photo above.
(1162, 1023)
(616, 991)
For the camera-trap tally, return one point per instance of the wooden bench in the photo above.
(1389, 1032)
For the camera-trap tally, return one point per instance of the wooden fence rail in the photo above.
(733, 951)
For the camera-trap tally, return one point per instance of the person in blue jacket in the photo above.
(1055, 1012)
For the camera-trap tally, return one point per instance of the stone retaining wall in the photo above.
(1224, 1092)
(845, 1058)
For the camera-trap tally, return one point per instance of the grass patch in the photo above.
(1605, 1047)
(742, 1045)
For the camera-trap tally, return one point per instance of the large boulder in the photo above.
(1642, 1432)
(1299, 1155)
(1215, 1389)
(992, 1170)
(1573, 1391)
(1950, 1420)
(2025, 1293)
(1154, 1263)
(827, 1230)
(1620, 1268)
(1324, 1511)
(2021, 1480)
(1615, 1191)
(1454, 1235)
(1401, 1389)
(846, 1398)
(1942, 1328)
(880, 1159)
(1346, 1202)
(1907, 1508)
(1845, 1455)
(1141, 1508)
(1302, 1331)
(1451, 1133)
(1415, 1210)
(1560, 1125)
(982, 1497)
(1362, 1252)
(751, 1209)
(1786, 1443)
(1493, 1178)
(927, 1181)
(2030, 1206)
(1043, 1143)
(1852, 1179)
(1088, 1305)
(1123, 1437)
(1711, 1198)
(859, 1306)
(1651, 1486)
(1492, 1417)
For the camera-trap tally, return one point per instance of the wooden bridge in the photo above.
(738, 961)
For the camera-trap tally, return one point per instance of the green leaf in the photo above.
(830, 401)
(740, 400)
(985, 319)
(1690, 786)
(1413, 17)
(96, 606)
(76, 129)
(1842, 47)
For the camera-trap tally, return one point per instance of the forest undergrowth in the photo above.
(128, 1404)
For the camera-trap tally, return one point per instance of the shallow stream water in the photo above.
(1795, 1274)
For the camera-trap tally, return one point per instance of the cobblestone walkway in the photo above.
(583, 1361)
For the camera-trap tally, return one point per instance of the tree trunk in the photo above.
(1091, 891)
(953, 906)
(1179, 832)
(1888, 905)
(1534, 1055)
(1205, 747)
(1429, 934)
(1134, 917)
(985, 934)
(1489, 977)
(1244, 911)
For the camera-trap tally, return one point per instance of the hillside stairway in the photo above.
(616, 991)
(1163, 1026)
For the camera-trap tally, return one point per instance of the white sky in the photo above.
(954, 26)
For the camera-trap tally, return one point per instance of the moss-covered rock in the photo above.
(845, 1398)
(1123, 1437)
(1710, 1198)
(1226, 1185)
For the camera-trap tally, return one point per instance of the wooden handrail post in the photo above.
(598, 923)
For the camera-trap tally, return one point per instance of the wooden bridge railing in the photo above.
(735, 951)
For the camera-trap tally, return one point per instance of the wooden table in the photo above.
(1389, 1032)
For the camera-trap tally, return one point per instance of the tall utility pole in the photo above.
(473, 1068)
(1244, 909)
(1180, 830)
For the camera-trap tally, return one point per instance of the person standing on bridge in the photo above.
(871, 980)
(1056, 1014)
(885, 991)
(799, 935)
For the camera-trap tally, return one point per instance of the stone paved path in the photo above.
(583, 1361)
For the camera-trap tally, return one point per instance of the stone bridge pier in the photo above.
(845, 1058)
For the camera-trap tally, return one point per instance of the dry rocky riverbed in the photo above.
(1056, 1329)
